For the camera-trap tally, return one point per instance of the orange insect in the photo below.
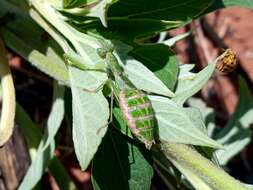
(227, 62)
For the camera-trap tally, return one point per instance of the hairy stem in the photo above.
(186, 157)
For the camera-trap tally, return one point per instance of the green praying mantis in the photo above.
(134, 104)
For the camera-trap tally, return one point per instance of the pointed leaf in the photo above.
(90, 114)
(176, 126)
(144, 79)
(187, 87)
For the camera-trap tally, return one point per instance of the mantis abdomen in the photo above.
(139, 114)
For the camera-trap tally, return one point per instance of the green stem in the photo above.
(190, 159)
(51, 15)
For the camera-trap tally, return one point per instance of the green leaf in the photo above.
(176, 126)
(144, 79)
(196, 117)
(188, 86)
(85, 79)
(76, 3)
(153, 17)
(184, 71)
(207, 112)
(30, 131)
(54, 120)
(25, 37)
(33, 136)
(127, 19)
(100, 10)
(90, 114)
(46, 147)
(236, 134)
(172, 41)
(46, 60)
(120, 122)
(119, 164)
(169, 10)
(159, 59)
(90, 109)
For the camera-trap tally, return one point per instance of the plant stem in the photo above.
(190, 159)
(8, 95)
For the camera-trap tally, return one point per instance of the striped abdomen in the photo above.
(139, 114)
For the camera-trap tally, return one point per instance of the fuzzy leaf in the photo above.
(176, 126)
(90, 113)
(144, 79)
(186, 87)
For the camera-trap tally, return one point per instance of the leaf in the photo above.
(120, 122)
(166, 10)
(176, 126)
(236, 134)
(153, 17)
(207, 112)
(30, 41)
(144, 79)
(159, 59)
(186, 87)
(119, 164)
(90, 114)
(196, 117)
(53, 122)
(48, 62)
(33, 136)
(85, 79)
(100, 11)
(31, 132)
(127, 20)
(76, 3)
(46, 147)
(172, 41)
(185, 71)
